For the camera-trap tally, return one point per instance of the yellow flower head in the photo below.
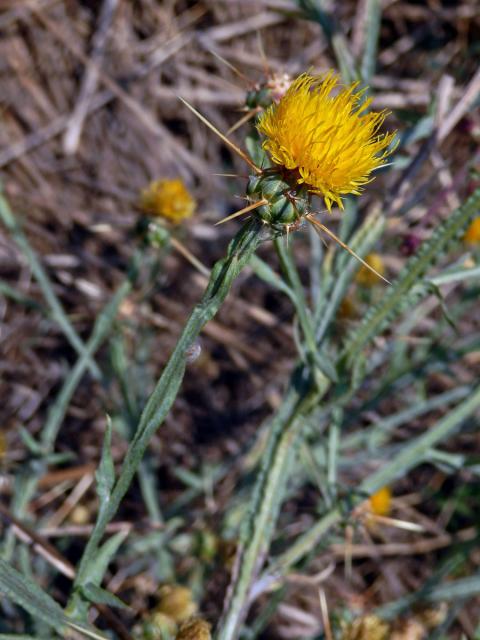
(168, 199)
(380, 502)
(472, 235)
(367, 277)
(329, 139)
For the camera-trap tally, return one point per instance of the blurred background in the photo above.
(90, 116)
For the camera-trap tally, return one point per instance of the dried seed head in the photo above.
(158, 626)
(176, 602)
(169, 199)
(196, 629)
(367, 628)
(325, 134)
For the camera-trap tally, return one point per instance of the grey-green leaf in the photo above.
(106, 472)
(398, 297)
(28, 595)
(97, 595)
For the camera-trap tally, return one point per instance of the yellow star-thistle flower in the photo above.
(168, 199)
(330, 139)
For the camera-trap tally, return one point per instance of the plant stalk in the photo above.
(161, 400)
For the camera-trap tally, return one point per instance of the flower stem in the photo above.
(258, 528)
(223, 274)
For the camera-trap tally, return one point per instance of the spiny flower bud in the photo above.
(196, 629)
(286, 201)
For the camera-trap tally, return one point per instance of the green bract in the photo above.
(286, 203)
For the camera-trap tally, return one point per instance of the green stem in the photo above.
(291, 273)
(317, 360)
(258, 528)
(223, 274)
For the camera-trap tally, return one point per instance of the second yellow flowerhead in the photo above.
(325, 133)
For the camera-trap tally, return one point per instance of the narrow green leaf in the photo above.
(105, 474)
(468, 587)
(268, 275)
(88, 632)
(97, 595)
(240, 250)
(455, 275)
(103, 557)
(28, 595)
(21, 636)
(397, 298)
(373, 15)
(258, 525)
(416, 450)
